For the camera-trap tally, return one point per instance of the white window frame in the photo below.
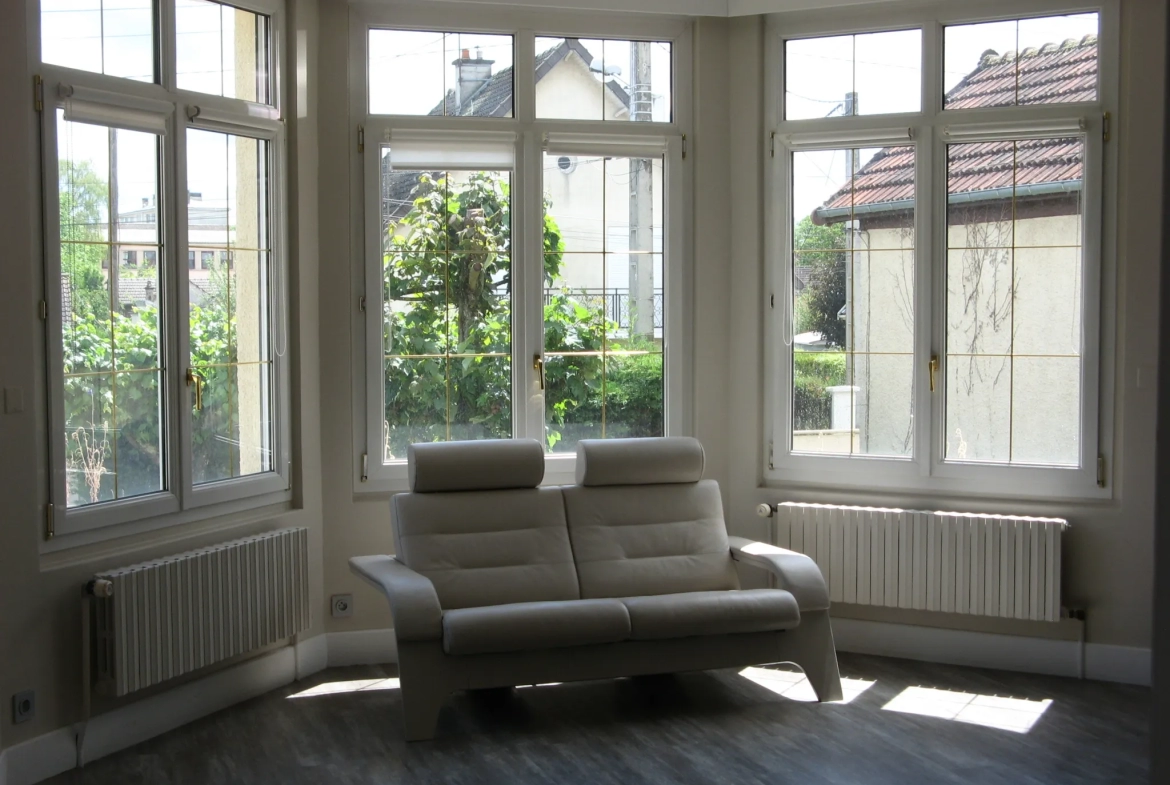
(152, 106)
(370, 473)
(926, 471)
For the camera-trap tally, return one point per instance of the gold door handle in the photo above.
(197, 380)
(933, 370)
(538, 365)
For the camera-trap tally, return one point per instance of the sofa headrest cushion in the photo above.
(488, 465)
(654, 461)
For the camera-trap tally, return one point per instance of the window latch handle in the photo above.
(197, 380)
(538, 365)
(933, 370)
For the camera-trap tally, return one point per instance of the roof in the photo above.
(494, 98)
(1041, 167)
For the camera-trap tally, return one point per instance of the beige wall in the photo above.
(40, 608)
(1108, 564)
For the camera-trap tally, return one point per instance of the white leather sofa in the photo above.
(498, 582)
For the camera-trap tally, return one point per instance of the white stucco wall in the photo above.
(1013, 363)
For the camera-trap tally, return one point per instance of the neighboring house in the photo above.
(1014, 284)
(591, 210)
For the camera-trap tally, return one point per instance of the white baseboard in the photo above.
(312, 656)
(988, 650)
(1126, 664)
(63, 749)
(40, 758)
(362, 647)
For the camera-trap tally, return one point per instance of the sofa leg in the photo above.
(420, 712)
(813, 650)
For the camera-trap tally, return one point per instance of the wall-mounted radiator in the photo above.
(989, 565)
(163, 618)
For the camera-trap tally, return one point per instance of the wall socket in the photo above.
(24, 706)
(341, 606)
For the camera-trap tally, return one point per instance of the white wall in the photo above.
(1108, 567)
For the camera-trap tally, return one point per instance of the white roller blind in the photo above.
(414, 149)
(874, 138)
(1030, 130)
(628, 146)
(97, 107)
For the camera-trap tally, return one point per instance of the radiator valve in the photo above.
(765, 510)
(100, 587)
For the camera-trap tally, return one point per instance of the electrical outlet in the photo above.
(341, 605)
(24, 706)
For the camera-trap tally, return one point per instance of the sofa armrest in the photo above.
(413, 601)
(794, 571)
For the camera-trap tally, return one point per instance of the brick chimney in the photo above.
(471, 73)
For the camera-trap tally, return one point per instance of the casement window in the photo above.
(167, 378)
(936, 215)
(523, 275)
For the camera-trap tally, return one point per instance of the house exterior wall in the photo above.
(1013, 366)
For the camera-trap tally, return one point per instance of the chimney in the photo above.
(470, 75)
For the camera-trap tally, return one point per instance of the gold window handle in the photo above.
(197, 380)
(933, 370)
(538, 365)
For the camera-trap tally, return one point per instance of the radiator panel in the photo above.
(174, 615)
(987, 565)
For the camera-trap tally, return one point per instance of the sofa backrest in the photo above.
(478, 526)
(642, 521)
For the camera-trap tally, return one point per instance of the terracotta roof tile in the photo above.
(1054, 73)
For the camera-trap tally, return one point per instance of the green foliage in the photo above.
(821, 248)
(447, 288)
(84, 202)
(113, 407)
(813, 372)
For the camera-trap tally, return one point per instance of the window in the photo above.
(603, 79)
(827, 77)
(520, 275)
(940, 321)
(222, 50)
(137, 431)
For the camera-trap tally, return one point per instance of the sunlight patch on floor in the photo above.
(1013, 714)
(546, 684)
(795, 686)
(356, 685)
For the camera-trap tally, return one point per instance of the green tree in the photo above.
(84, 206)
(822, 250)
(447, 287)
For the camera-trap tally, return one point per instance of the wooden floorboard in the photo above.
(710, 727)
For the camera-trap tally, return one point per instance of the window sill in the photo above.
(84, 546)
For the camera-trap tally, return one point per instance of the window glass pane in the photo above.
(1050, 60)
(433, 73)
(230, 322)
(446, 305)
(114, 37)
(592, 79)
(603, 303)
(853, 294)
(871, 73)
(111, 343)
(1014, 301)
(222, 50)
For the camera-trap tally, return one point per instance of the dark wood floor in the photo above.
(709, 727)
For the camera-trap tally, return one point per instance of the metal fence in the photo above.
(616, 301)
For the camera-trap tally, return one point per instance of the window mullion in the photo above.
(528, 276)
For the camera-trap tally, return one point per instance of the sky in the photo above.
(884, 69)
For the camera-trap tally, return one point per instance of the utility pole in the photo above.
(641, 201)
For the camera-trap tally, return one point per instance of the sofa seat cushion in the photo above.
(525, 626)
(711, 613)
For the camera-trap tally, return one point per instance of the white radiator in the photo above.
(988, 565)
(163, 618)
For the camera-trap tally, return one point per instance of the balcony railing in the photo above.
(616, 301)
